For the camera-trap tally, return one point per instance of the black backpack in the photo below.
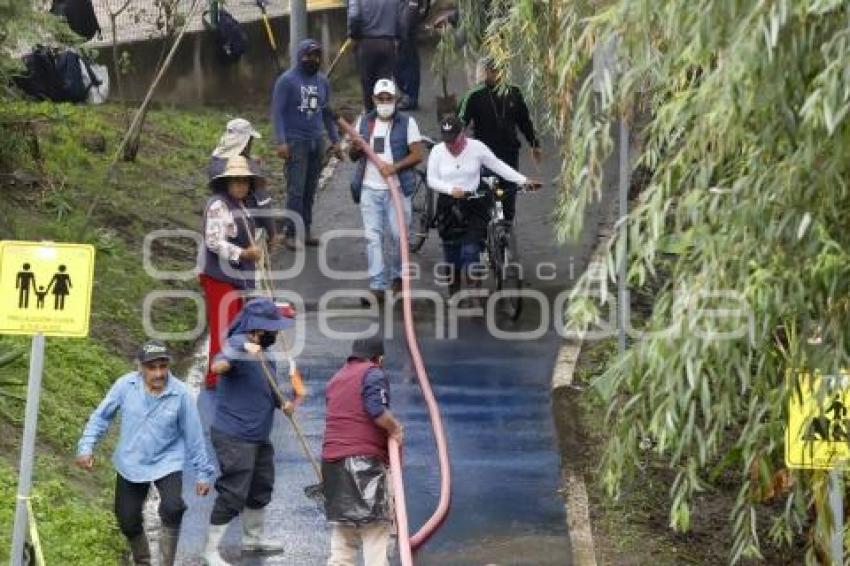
(56, 76)
(42, 80)
(70, 66)
(230, 36)
(80, 16)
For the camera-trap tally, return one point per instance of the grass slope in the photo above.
(51, 198)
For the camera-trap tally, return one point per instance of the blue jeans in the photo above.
(377, 209)
(461, 254)
(302, 179)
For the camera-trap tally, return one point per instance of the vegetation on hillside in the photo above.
(48, 195)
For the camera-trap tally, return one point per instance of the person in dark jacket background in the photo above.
(375, 26)
(495, 111)
(229, 256)
(355, 457)
(241, 426)
(301, 113)
(407, 70)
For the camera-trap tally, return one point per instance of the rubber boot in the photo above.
(168, 545)
(214, 536)
(140, 550)
(253, 540)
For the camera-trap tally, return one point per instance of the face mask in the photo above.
(267, 339)
(385, 109)
(310, 67)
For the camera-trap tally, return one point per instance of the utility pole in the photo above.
(607, 71)
(297, 27)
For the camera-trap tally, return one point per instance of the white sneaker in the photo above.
(253, 539)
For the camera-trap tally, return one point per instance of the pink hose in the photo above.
(400, 505)
(442, 509)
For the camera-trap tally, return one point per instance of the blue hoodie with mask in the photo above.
(301, 103)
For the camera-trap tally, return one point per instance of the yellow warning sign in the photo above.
(45, 288)
(818, 433)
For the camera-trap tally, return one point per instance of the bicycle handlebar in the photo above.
(486, 187)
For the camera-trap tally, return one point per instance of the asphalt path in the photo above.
(494, 393)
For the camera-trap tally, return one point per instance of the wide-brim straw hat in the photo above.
(238, 166)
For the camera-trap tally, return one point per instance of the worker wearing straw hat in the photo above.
(228, 261)
(241, 427)
(238, 139)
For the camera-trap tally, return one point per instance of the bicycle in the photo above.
(423, 208)
(500, 253)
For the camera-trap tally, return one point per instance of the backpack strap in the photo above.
(93, 80)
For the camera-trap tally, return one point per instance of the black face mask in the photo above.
(310, 67)
(267, 339)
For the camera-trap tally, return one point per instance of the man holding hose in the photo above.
(241, 427)
(355, 457)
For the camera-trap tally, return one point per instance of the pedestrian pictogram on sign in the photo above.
(818, 433)
(46, 288)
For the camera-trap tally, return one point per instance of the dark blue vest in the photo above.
(211, 265)
(398, 146)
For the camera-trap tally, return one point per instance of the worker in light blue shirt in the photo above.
(160, 430)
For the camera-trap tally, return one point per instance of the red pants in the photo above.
(223, 303)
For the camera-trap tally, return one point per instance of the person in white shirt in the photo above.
(395, 137)
(454, 171)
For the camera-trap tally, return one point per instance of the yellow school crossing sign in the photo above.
(45, 288)
(818, 433)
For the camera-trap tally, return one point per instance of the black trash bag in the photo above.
(356, 490)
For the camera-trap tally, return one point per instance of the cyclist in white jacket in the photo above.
(454, 171)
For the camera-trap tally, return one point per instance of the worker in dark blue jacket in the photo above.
(301, 113)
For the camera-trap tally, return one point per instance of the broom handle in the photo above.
(339, 55)
(298, 432)
(264, 280)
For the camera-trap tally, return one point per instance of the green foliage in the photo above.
(445, 56)
(747, 138)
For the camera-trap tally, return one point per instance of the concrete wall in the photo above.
(198, 76)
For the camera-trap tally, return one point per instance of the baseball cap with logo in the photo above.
(384, 86)
(450, 127)
(154, 350)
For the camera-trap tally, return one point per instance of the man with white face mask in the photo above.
(395, 137)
